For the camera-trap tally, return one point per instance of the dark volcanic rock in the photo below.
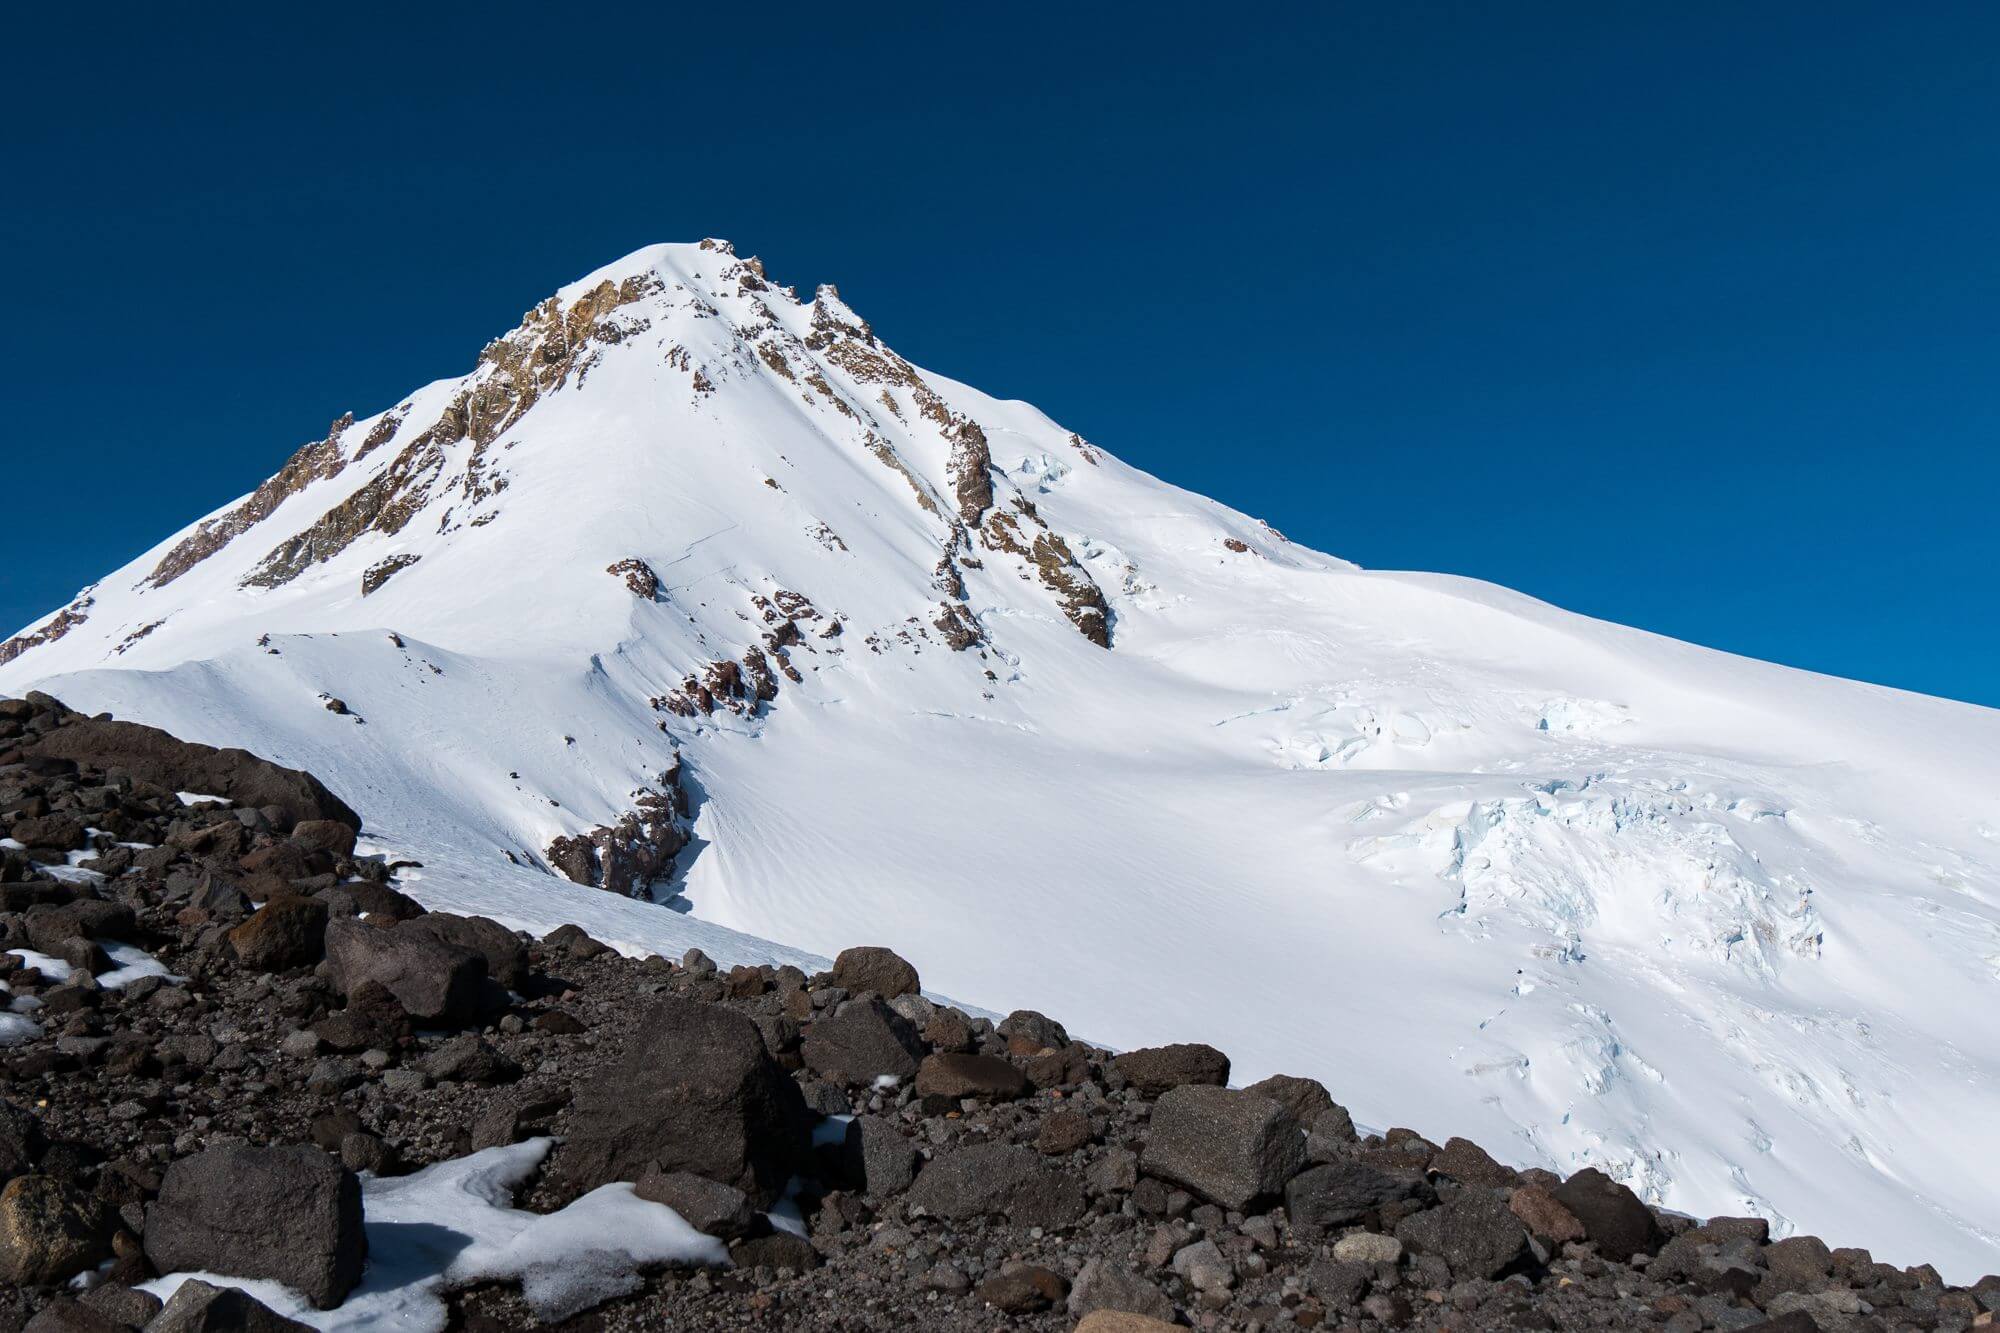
(176, 765)
(873, 968)
(506, 956)
(876, 1156)
(1614, 1220)
(998, 1179)
(696, 1091)
(1159, 1069)
(434, 981)
(864, 1041)
(288, 931)
(958, 1076)
(1305, 1098)
(1229, 1147)
(290, 1214)
(198, 1307)
(1342, 1193)
(21, 1140)
(1475, 1234)
(709, 1206)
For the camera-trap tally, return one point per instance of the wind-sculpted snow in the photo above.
(1484, 867)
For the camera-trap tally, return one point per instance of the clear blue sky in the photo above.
(1680, 314)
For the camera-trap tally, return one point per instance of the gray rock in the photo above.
(63, 1315)
(864, 1041)
(1203, 1267)
(434, 981)
(1331, 1135)
(290, 1214)
(21, 1140)
(998, 1179)
(877, 1158)
(198, 1307)
(123, 1304)
(1340, 1194)
(1475, 1234)
(1229, 1147)
(1306, 1098)
(506, 956)
(1159, 1069)
(695, 1091)
(1368, 1247)
(1101, 1285)
(709, 1206)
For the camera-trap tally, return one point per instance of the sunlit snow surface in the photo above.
(1580, 893)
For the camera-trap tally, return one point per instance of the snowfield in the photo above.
(1728, 930)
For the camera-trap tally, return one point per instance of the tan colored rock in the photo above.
(1118, 1321)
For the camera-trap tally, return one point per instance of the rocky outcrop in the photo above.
(385, 569)
(970, 468)
(153, 756)
(639, 577)
(638, 851)
(55, 627)
(318, 461)
(1021, 533)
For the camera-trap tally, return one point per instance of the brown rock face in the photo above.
(639, 577)
(971, 470)
(628, 857)
(382, 571)
(153, 756)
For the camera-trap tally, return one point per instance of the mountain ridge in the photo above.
(1078, 719)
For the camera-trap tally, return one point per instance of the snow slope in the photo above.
(1728, 930)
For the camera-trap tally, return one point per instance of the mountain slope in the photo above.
(1080, 735)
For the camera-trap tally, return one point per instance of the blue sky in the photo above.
(1681, 315)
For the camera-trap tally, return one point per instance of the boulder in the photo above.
(986, 1077)
(864, 1041)
(1305, 1098)
(1229, 1147)
(63, 1315)
(694, 1091)
(876, 1156)
(434, 981)
(709, 1206)
(288, 931)
(506, 956)
(1469, 1164)
(198, 1307)
(290, 1214)
(1340, 1194)
(1331, 1135)
(998, 1179)
(1547, 1220)
(1022, 1289)
(1475, 1234)
(1027, 1032)
(151, 755)
(1613, 1218)
(1101, 1285)
(1159, 1069)
(873, 968)
(325, 835)
(50, 1231)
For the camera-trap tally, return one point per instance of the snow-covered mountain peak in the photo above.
(699, 590)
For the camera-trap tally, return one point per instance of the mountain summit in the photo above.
(694, 595)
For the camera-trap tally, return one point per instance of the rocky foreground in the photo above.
(224, 1030)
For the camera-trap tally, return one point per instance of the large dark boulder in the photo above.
(694, 1091)
(288, 931)
(434, 981)
(1000, 1180)
(506, 956)
(290, 1214)
(1343, 1193)
(1614, 1220)
(151, 755)
(1475, 1234)
(872, 968)
(21, 1140)
(876, 1157)
(959, 1076)
(1229, 1147)
(1158, 1069)
(864, 1041)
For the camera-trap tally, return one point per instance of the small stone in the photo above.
(1022, 1290)
(1368, 1247)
